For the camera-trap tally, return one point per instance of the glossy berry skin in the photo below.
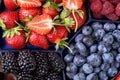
(86, 30)
(116, 34)
(87, 68)
(79, 76)
(108, 57)
(112, 71)
(108, 39)
(88, 41)
(68, 58)
(79, 60)
(118, 57)
(94, 60)
(105, 66)
(92, 76)
(109, 26)
(93, 48)
(81, 47)
(79, 38)
(102, 48)
(96, 25)
(71, 67)
(103, 75)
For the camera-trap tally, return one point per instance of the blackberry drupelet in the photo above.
(26, 61)
(9, 63)
(39, 78)
(56, 62)
(42, 64)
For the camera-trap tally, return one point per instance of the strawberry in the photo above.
(41, 24)
(118, 77)
(49, 11)
(10, 4)
(29, 3)
(26, 14)
(72, 4)
(7, 19)
(38, 40)
(15, 38)
(58, 1)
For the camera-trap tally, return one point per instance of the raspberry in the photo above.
(112, 16)
(107, 8)
(114, 1)
(97, 15)
(117, 9)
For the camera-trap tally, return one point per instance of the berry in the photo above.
(88, 41)
(109, 26)
(117, 9)
(26, 61)
(115, 45)
(118, 57)
(102, 48)
(70, 75)
(72, 68)
(92, 76)
(108, 57)
(97, 15)
(97, 70)
(79, 60)
(119, 49)
(115, 64)
(87, 68)
(93, 48)
(103, 75)
(79, 38)
(38, 78)
(112, 16)
(97, 25)
(105, 66)
(79, 76)
(68, 58)
(112, 71)
(118, 27)
(86, 30)
(94, 60)
(116, 34)
(108, 39)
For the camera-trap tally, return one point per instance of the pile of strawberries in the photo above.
(107, 8)
(40, 22)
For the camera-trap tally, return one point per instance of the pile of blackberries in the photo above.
(96, 53)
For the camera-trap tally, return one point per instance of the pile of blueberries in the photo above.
(96, 53)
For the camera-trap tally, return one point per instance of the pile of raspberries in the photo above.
(107, 8)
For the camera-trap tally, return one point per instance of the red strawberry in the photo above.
(58, 0)
(49, 11)
(96, 8)
(29, 3)
(26, 14)
(15, 40)
(10, 4)
(8, 18)
(107, 8)
(41, 24)
(112, 16)
(38, 40)
(118, 77)
(72, 4)
(97, 15)
(117, 10)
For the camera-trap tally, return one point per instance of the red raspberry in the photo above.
(97, 15)
(115, 1)
(117, 9)
(107, 8)
(104, 0)
(112, 16)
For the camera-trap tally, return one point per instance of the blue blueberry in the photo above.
(116, 34)
(109, 26)
(98, 34)
(68, 58)
(72, 68)
(79, 76)
(87, 68)
(112, 71)
(108, 39)
(102, 48)
(119, 49)
(86, 30)
(115, 45)
(116, 64)
(108, 57)
(94, 60)
(88, 41)
(79, 37)
(118, 27)
(70, 75)
(79, 60)
(118, 57)
(97, 70)
(103, 75)
(92, 76)
(97, 25)
(114, 52)
(81, 47)
(81, 70)
(93, 48)
(105, 66)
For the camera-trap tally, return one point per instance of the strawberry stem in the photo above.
(73, 13)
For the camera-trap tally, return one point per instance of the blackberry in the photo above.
(53, 76)
(24, 76)
(38, 78)
(56, 62)
(26, 61)
(9, 63)
(42, 64)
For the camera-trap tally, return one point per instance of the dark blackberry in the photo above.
(26, 61)
(39, 78)
(9, 63)
(56, 62)
(42, 64)
(24, 76)
(53, 76)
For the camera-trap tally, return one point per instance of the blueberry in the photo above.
(97, 70)
(86, 30)
(81, 70)
(103, 75)
(92, 76)
(108, 57)
(114, 52)
(118, 27)
(87, 68)
(118, 58)
(79, 76)
(93, 48)
(98, 34)
(115, 45)
(119, 49)
(112, 71)
(70, 75)
(105, 66)
(88, 41)
(79, 38)
(108, 39)
(81, 47)
(79, 60)
(94, 60)
(115, 64)
(116, 34)
(97, 25)
(71, 67)
(68, 58)
(102, 48)
(109, 26)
